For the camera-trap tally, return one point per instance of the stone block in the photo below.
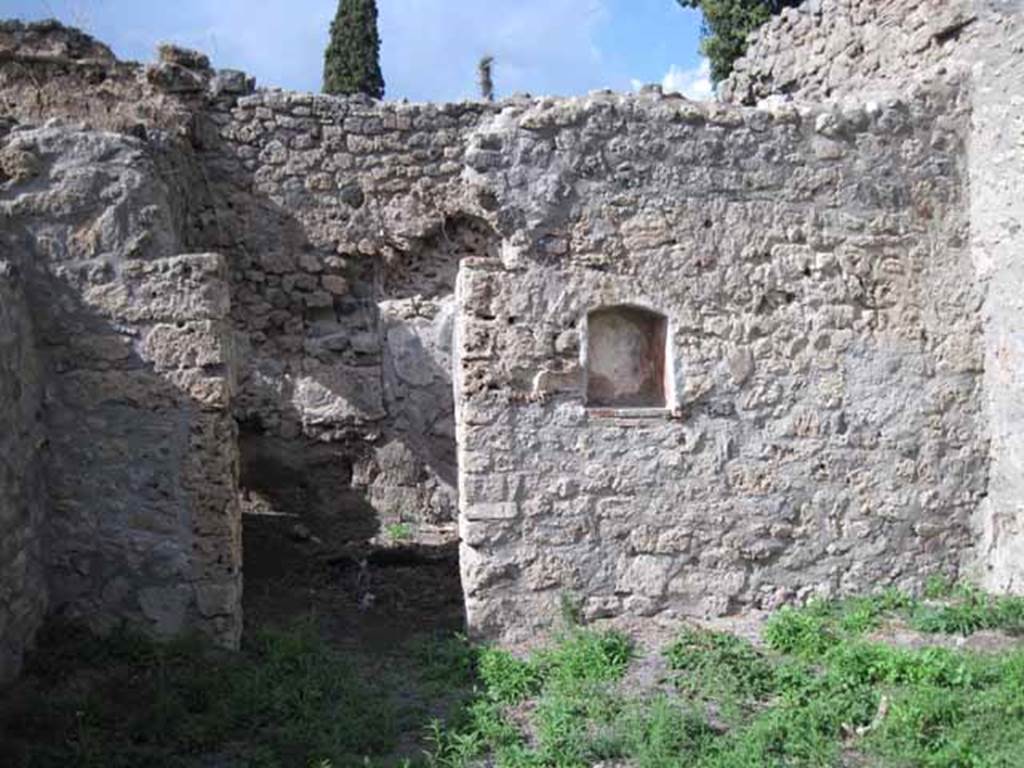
(492, 511)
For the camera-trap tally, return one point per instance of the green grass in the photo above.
(821, 692)
(574, 708)
(716, 665)
(123, 700)
(967, 610)
(960, 610)
(398, 532)
(444, 664)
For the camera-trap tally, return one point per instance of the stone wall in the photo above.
(849, 48)
(827, 432)
(344, 237)
(832, 361)
(23, 593)
(48, 70)
(827, 48)
(342, 228)
(995, 156)
(140, 463)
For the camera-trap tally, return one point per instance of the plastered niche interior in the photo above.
(625, 361)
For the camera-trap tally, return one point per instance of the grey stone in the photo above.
(231, 82)
(408, 287)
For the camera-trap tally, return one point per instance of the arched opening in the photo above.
(626, 358)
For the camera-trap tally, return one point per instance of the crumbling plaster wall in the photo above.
(23, 505)
(850, 47)
(134, 347)
(814, 266)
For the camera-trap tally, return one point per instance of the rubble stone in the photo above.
(388, 301)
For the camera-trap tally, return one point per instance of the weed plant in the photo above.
(823, 690)
(821, 693)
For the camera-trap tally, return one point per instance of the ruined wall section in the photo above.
(996, 160)
(827, 433)
(414, 477)
(48, 70)
(136, 351)
(827, 48)
(23, 502)
(343, 225)
(840, 47)
(344, 222)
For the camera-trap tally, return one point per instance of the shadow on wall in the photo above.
(144, 522)
(343, 358)
(311, 482)
(140, 460)
(346, 418)
(345, 392)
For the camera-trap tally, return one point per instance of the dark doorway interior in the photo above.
(313, 545)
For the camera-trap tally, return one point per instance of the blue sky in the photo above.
(429, 47)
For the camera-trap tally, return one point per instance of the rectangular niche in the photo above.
(625, 363)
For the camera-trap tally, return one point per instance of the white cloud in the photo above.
(692, 83)
(430, 48)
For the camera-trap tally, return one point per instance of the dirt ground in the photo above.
(381, 597)
(369, 595)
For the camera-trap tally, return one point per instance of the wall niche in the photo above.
(625, 358)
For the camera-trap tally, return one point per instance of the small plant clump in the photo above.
(398, 532)
(574, 706)
(715, 664)
(966, 610)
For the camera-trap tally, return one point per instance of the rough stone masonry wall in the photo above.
(341, 223)
(813, 266)
(342, 229)
(346, 229)
(23, 593)
(844, 47)
(827, 434)
(826, 48)
(140, 459)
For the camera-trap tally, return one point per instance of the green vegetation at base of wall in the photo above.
(829, 687)
(822, 693)
(289, 699)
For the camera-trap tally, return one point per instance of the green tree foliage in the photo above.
(352, 58)
(726, 26)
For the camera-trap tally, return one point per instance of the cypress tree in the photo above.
(352, 58)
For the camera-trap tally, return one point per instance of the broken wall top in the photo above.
(835, 48)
